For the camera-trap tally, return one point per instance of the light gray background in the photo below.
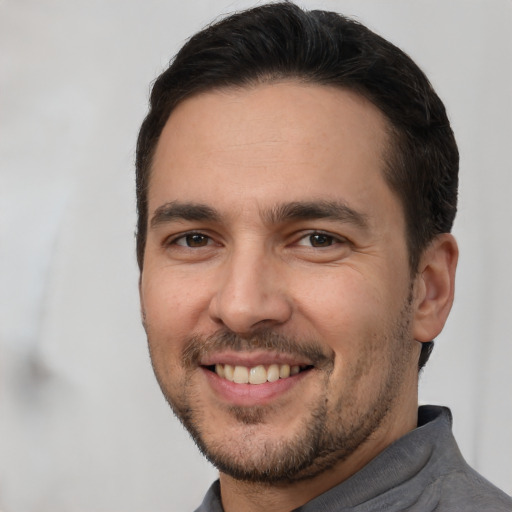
(83, 426)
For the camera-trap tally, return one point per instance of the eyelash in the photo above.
(185, 236)
(331, 239)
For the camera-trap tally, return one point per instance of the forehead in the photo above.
(258, 143)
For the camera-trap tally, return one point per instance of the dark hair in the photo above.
(281, 41)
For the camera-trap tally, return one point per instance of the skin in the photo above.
(338, 284)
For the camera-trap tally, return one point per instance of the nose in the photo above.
(250, 294)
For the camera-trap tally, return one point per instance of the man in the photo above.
(296, 186)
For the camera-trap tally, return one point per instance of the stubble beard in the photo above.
(328, 434)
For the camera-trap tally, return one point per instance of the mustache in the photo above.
(197, 347)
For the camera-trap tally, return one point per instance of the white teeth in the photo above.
(219, 370)
(257, 374)
(273, 373)
(241, 375)
(228, 372)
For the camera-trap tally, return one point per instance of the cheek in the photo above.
(173, 305)
(341, 304)
(356, 317)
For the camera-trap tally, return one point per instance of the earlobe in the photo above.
(434, 287)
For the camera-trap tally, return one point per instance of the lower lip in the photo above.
(251, 394)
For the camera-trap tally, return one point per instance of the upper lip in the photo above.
(252, 358)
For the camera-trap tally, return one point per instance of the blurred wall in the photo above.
(83, 426)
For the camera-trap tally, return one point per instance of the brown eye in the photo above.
(320, 240)
(193, 240)
(196, 240)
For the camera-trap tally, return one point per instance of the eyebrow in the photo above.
(176, 210)
(310, 210)
(287, 212)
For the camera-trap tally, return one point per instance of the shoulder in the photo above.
(454, 485)
(466, 490)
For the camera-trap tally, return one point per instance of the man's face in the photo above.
(275, 246)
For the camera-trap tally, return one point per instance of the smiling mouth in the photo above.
(259, 374)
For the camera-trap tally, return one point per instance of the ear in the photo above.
(434, 287)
